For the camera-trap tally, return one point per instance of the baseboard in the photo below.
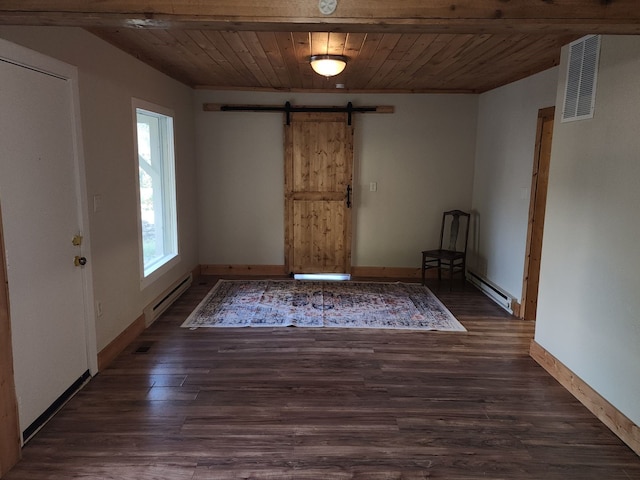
(389, 272)
(516, 308)
(196, 272)
(122, 341)
(243, 270)
(617, 422)
(279, 270)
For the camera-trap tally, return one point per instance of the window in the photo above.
(157, 190)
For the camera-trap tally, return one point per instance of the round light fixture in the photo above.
(328, 65)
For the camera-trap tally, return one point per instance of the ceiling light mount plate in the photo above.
(327, 7)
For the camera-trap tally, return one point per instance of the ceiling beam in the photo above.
(416, 16)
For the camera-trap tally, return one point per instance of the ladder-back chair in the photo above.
(453, 256)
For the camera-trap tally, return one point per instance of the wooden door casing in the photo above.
(537, 207)
(9, 426)
(318, 172)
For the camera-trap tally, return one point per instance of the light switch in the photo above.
(373, 187)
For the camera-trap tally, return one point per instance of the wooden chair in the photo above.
(450, 258)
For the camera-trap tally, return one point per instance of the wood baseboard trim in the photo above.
(279, 270)
(390, 272)
(516, 308)
(122, 341)
(196, 272)
(617, 422)
(243, 270)
(10, 451)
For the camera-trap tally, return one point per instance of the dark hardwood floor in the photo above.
(294, 403)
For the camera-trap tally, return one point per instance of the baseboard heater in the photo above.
(492, 291)
(166, 298)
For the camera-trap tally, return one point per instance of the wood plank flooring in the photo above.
(338, 404)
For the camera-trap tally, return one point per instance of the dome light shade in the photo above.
(328, 65)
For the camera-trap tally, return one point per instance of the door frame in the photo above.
(288, 194)
(537, 205)
(9, 424)
(24, 57)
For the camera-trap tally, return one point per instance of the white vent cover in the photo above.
(582, 72)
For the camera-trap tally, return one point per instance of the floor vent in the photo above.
(143, 347)
(166, 298)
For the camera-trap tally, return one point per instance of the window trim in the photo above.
(170, 261)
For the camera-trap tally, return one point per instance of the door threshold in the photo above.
(322, 276)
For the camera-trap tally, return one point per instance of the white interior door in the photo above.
(40, 211)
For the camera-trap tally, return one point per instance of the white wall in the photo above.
(421, 157)
(507, 119)
(108, 79)
(588, 301)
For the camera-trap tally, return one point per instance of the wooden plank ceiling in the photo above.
(405, 46)
(376, 61)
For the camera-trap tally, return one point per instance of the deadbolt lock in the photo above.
(77, 240)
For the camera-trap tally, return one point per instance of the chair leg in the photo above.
(450, 276)
(463, 272)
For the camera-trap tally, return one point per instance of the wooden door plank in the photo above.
(319, 159)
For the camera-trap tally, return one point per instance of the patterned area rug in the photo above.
(283, 303)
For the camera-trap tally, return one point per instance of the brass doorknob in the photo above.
(79, 261)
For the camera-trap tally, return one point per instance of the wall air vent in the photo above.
(582, 72)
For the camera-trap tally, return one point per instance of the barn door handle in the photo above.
(348, 196)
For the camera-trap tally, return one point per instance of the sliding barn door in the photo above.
(318, 176)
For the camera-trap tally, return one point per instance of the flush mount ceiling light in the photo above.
(328, 65)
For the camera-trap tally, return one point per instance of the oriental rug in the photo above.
(283, 303)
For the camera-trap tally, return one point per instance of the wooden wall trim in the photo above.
(280, 270)
(243, 270)
(389, 272)
(537, 206)
(516, 308)
(414, 16)
(196, 272)
(617, 422)
(9, 423)
(122, 341)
